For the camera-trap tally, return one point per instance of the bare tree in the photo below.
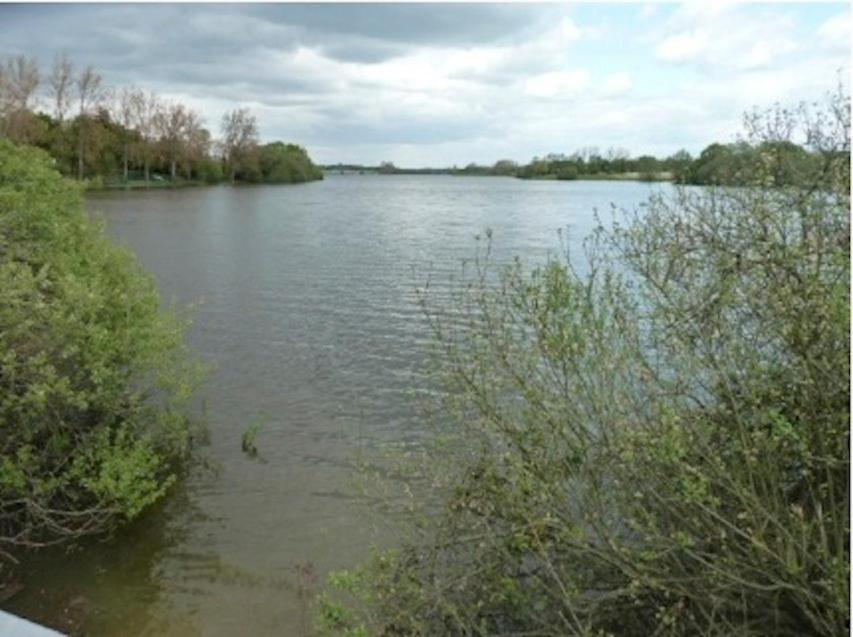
(239, 139)
(22, 77)
(18, 85)
(196, 142)
(61, 78)
(124, 112)
(90, 95)
(144, 109)
(5, 99)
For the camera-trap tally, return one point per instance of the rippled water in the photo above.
(306, 307)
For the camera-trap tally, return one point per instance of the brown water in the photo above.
(307, 309)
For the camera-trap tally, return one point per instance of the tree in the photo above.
(650, 441)
(20, 82)
(22, 79)
(144, 109)
(506, 167)
(61, 78)
(286, 163)
(679, 164)
(124, 112)
(90, 94)
(196, 142)
(239, 140)
(94, 376)
(171, 123)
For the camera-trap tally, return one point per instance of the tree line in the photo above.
(127, 135)
(778, 161)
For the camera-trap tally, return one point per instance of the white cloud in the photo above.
(616, 84)
(835, 31)
(368, 88)
(682, 47)
(557, 84)
(726, 35)
(648, 11)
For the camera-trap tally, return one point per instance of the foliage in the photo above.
(249, 437)
(768, 161)
(94, 376)
(286, 163)
(117, 133)
(590, 164)
(655, 445)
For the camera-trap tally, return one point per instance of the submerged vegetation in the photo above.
(655, 442)
(94, 376)
(129, 138)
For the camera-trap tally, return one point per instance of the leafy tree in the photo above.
(506, 167)
(94, 376)
(679, 165)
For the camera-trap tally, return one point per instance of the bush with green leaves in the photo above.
(281, 163)
(655, 442)
(94, 376)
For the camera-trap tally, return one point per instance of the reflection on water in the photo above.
(307, 308)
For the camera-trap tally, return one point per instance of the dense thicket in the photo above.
(94, 376)
(128, 136)
(655, 442)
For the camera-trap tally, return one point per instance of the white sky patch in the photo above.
(562, 84)
(725, 35)
(683, 47)
(616, 84)
(836, 30)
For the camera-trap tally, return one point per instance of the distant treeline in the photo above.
(736, 164)
(127, 136)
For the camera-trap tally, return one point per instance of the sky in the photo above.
(450, 84)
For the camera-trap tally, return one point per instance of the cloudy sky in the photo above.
(450, 84)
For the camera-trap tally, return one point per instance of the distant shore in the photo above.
(624, 176)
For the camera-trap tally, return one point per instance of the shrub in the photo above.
(655, 445)
(210, 171)
(286, 163)
(94, 377)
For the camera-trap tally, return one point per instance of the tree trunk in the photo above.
(174, 169)
(80, 157)
(125, 161)
(147, 172)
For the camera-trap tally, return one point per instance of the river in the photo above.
(305, 305)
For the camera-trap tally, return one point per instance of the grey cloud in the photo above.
(311, 71)
(362, 50)
(422, 24)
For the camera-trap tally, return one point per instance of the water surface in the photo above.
(307, 309)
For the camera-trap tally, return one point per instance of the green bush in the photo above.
(210, 171)
(94, 376)
(285, 164)
(655, 445)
